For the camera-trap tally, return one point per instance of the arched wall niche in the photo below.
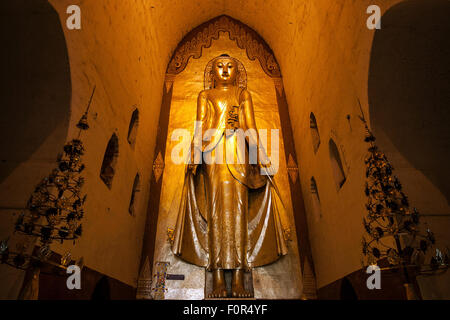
(36, 92)
(336, 164)
(133, 128)
(409, 105)
(109, 163)
(134, 194)
(184, 81)
(314, 130)
(35, 104)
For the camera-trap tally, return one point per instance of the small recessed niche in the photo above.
(336, 165)
(109, 161)
(314, 129)
(133, 128)
(134, 193)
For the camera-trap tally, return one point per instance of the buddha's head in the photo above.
(225, 70)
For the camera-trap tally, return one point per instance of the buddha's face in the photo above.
(225, 70)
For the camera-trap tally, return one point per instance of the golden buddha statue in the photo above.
(229, 218)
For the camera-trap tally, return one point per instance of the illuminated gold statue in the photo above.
(229, 217)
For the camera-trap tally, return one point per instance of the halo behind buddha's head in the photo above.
(241, 79)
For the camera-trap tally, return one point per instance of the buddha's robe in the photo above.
(229, 212)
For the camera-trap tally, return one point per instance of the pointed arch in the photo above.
(408, 106)
(336, 165)
(245, 37)
(110, 160)
(36, 90)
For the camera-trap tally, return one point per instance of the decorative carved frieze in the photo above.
(202, 36)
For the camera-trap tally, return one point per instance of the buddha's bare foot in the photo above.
(237, 287)
(240, 292)
(219, 288)
(218, 293)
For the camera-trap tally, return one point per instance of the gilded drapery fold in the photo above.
(266, 242)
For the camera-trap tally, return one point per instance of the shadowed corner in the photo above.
(408, 86)
(36, 84)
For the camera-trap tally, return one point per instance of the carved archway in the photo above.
(203, 35)
(191, 46)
